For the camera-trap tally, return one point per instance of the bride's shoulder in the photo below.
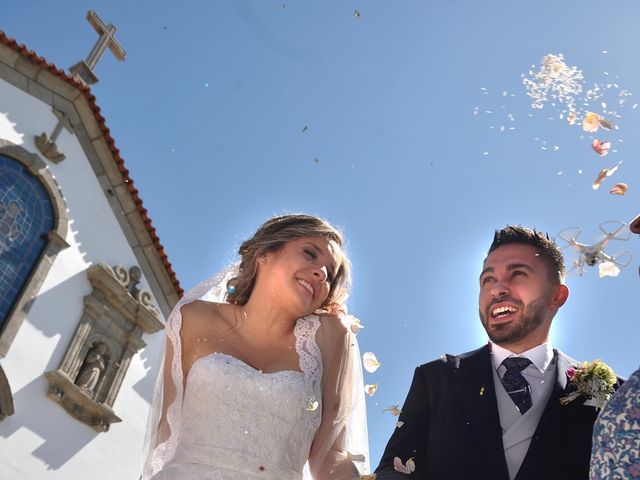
(202, 314)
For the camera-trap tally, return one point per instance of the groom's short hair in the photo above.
(546, 248)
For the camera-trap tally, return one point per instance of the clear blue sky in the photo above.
(209, 109)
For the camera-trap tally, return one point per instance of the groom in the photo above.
(495, 413)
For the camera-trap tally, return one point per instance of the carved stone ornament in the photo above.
(48, 148)
(115, 316)
(47, 144)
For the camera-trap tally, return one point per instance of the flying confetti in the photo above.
(555, 80)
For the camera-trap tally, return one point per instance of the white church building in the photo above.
(85, 285)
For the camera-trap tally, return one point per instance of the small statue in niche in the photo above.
(135, 274)
(94, 365)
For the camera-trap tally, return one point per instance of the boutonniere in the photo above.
(593, 380)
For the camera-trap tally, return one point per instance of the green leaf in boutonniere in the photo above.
(593, 380)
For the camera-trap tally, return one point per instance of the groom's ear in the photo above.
(560, 295)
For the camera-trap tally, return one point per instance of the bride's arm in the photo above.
(342, 435)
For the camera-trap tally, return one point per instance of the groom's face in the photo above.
(516, 297)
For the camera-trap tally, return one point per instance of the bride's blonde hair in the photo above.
(270, 237)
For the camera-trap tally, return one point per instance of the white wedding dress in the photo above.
(229, 421)
(239, 423)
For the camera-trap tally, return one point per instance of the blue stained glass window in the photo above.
(26, 215)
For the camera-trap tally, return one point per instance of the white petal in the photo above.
(370, 389)
(370, 362)
(355, 324)
(608, 269)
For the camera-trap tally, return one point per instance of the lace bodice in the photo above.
(240, 423)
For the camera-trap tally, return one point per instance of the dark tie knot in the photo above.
(516, 364)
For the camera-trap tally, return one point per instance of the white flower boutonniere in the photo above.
(593, 380)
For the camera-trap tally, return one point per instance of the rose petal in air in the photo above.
(600, 147)
(606, 124)
(604, 173)
(370, 389)
(394, 410)
(407, 468)
(608, 269)
(355, 324)
(370, 362)
(591, 122)
(619, 189)
(571, 118)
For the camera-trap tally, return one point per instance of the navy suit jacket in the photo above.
(452, 427)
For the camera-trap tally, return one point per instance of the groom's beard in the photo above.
(531, 317)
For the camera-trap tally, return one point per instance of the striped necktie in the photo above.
(515, 384)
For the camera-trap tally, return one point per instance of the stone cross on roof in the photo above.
(84, 69)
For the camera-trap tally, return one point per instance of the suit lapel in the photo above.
(548, 437)
(474, 381)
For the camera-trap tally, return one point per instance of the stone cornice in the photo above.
(137, 309)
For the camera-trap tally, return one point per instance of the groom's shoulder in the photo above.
(448, 361)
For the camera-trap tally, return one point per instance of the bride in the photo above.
(264, 382)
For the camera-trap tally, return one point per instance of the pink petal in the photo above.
(408, 468)
(600, 147)
(619, 189)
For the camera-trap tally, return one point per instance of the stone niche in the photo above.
(115, 316)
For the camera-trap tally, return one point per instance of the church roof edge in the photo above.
(91, 99)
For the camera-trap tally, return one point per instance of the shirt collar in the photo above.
(540, 355)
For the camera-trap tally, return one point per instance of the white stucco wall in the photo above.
(41, 440)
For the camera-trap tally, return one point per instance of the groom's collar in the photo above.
(541, 355)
